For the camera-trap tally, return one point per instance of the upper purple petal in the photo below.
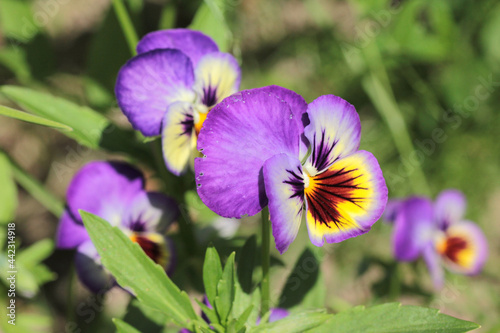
(334, 131)
(449, 208)
(148, 83)
(298, 106)
(238, 136)
(104, 189)
(70, 232)
(414, 229)
(192, 43)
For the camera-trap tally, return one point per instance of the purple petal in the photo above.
(192, 43)
(464, 248)
(345, 200)
(178, 137)
(70, 233)
(298, 107)
(414, 229)
(284, 184)
(334, 131)
(238, 136)
(104, 189)
(433, 262)
(148, 83)
(90, 270)
(217, 75)
(449, 208)
(277, 314)
(150, 211)
(392, 210)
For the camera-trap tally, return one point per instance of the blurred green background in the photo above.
(423, 75)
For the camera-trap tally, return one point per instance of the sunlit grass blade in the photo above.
(29, 118)
(35, 188)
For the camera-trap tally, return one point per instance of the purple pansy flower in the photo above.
(171, 85)
(437, 232)
(115, 192)
(267, 146)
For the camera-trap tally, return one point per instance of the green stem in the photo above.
(126, 24)
(266, 245)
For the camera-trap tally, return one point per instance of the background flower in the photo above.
(115, 192)
(438, 232)
(171, 85)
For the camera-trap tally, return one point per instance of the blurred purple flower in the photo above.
(267, 146)
(115, 192)
(171, 85)
(437, 232)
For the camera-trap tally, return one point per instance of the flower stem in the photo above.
(126, 25)
(266, 241)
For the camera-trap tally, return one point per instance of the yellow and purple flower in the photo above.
(171, 85)
(437, 232)
(115, 192)
(267, 146)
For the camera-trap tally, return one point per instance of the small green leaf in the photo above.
(212, 273)
(8, 191)
(246, 264)
(20, 115)
(123, 327)
(36, 253)
(393, 317)
(134, 270)
(226, 290)
(297, 323)
(242, 319)
(210, 313)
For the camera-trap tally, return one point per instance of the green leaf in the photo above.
(301, 280)
(16, 20)
(393, 317)
(87, 124)
(134, 270)
(123, 327)
(210, 20)
(242, 319)
(226, 290)
(212, 273)
(8, 191)
(90, 128)
(297, 323)
(20, 115)
(36, 253)
(246, 264)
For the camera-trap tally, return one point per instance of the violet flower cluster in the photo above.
(438, 232)
(115, 192)
(267, 146)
